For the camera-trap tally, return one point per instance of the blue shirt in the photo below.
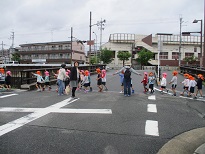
(151, 80)
(121, 77)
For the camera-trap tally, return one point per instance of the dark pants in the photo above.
(127, 85)
(73, 91)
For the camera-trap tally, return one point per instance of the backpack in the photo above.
(127, 74)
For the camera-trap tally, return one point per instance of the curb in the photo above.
(186, 143)
(200, 150)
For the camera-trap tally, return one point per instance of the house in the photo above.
(52, 52)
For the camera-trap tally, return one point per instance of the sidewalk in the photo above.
(191, 142)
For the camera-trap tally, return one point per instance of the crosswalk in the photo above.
(151, 127)
(8, 95)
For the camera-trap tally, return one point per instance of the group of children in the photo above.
(101, 79)
(148, 80)
(42, 83)
(85, 81)
(189, 84)
(5, 80)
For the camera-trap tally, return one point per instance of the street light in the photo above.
(96, 47)
(201, 60)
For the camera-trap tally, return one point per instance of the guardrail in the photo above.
(193, 70)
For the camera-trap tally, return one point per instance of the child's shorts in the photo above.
(185, 88)
(192, 90)
(86, 85)
(174, 86)
(164, 87)
(47, 83)
(199, 87)
(39, 84)
(104, 83)
(151, 86)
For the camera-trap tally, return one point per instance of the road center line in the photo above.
(151, 128)
(8, 95)
(152, 108)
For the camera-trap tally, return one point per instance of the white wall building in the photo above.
(169, 50)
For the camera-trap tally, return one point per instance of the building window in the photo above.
(60, 47)
(163, 55)
(80, 57)
(189, 54)
(53, 47)
(61, 55)
(175, 55)
(195, 49)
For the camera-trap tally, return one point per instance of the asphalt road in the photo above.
(96, 123)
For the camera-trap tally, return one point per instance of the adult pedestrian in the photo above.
(74, 77)
(127, 78)
(60, 79)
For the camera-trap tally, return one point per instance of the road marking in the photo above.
(152, 108)
(54, 110)
(40, 112)
(4, 96)
(151, 128)
(152, 97)
(198, 99)
(163, 91)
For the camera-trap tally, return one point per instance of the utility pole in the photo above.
(101, 27)
(180, 41)
(2, 49)
(203, 62)
(12, 46)
(71, 46)
(90, 36)
(12, 37)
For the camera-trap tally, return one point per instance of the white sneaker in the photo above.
(200, 97)
(121, 92)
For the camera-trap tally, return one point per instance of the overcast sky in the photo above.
(36, 21)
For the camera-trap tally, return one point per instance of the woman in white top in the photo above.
(60, 79)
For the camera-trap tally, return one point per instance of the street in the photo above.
(95, 123)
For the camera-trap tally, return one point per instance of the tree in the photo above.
(15, 56)
(144, 56)
(94, 60)
(124, 55)
(106, 56)
(190, 60)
